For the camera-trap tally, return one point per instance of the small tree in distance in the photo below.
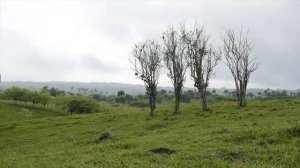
(226, 92)
(238, 58)
(121, 97)
(147, 65)
(121, 93)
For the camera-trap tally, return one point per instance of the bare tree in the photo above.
(175, 62)
(147, 65)
(238, 58)
(201, 59)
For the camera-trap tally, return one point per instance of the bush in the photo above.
(222, 98)
(140, 104)
(78, 104)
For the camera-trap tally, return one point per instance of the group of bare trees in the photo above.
(185, 49)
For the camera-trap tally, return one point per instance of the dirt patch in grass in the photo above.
(274, 109)
(221, 131)
(156, 126)
(105, 136)
(162, 151)
(267, 142)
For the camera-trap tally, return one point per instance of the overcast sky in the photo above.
(91, 41)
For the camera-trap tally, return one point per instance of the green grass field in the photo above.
(264, 134)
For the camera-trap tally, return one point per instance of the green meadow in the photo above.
(263, 134)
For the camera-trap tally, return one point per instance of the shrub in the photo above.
(78, 104)
(140, 104)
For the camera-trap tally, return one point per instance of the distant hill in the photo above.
(106, 88)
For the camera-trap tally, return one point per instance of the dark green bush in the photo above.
(222, 98)
(78, 104)
(140, 104)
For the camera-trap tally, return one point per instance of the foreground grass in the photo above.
(264, 134)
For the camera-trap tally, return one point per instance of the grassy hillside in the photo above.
(14, 112)
(264, 134)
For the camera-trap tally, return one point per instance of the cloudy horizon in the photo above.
(92, 41)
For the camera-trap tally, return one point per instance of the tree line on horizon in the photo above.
(181, 49)
(88, 102)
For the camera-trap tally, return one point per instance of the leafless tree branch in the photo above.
(238, 58)
(174, 58)
(147, 65)
(201, 59)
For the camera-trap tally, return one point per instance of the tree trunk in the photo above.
(177, 103)
(204, 103)
(244, 98)
(151, 105)
(240, 100)
(177, 99)
(241, 97)
(154, 98)
(238, 95)
(202, 93)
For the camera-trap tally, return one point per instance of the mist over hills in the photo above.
(106, 87)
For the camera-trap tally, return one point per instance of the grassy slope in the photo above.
(262, 135)
(14, 112)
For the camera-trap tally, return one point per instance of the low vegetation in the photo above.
(25, 95)
(80, 105)
(263, 134)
